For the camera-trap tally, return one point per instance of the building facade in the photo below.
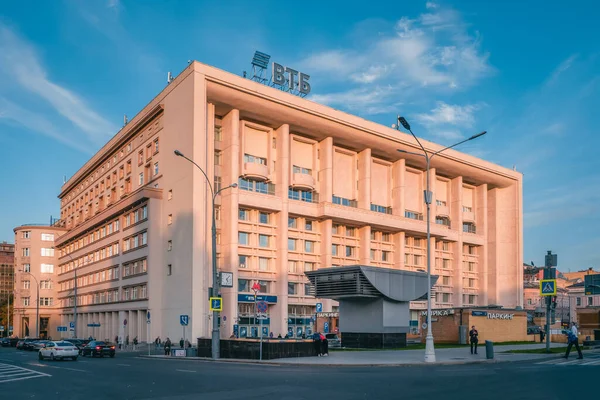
(36, 312)
(7, 287)
(316, 188)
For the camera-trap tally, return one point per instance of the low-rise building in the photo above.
(7, 278)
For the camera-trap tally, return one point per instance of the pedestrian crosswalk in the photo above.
(10, 373)
(573, 361)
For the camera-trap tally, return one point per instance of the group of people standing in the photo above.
(321, 344)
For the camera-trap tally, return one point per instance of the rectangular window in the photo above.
(446, 280)
(26, 284)
(309, 246)
(141, 179)
(47, 268)
(243, 261)
(292, 222)
(349, 251)
(155, 168)
(217, 157)
(26, 234)
(243, 285)
(144, 238)
(373, 235)
(308, 289)
(590, 301)
(291, 288)
(309, 266)
(292, 244)
(141, 157)
(25, 301)
(26, 267)
(578, 301)
(218, 183)
(334, 249)
(169, 245)
(25, 251)
(263, 240)
(467, 209)
(169, 219)
(445, 297)
(218, 133)
(263, 264)
(385, 237)
(335, 229)
(386, 256)
(264, 218)
(243, 238)
(243, 215)
(308, 225)
(292, 266)
(47, 237)
(373, 254)
(248, 158)
(350, 231)
(264, 286)
(169, 269)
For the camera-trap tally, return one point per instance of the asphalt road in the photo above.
(126, 376)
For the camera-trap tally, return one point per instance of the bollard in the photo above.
(489, 349)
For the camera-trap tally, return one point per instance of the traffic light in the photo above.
(554, 302)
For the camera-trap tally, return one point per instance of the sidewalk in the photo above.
(397, 357)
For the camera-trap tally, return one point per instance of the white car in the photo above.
(59, 351)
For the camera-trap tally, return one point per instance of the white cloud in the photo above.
(18, 60)
(562, 67)
(433, 52)
(447, 114)
(430, 4)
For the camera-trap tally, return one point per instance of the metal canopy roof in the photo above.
(369, 282)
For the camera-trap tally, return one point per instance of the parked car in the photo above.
(27, 344)
(58, 351)
(37, 345)
(98, 348)
(9, 342)
(79, 343)
(333, 340)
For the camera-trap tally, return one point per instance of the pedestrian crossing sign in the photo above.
(548, 287)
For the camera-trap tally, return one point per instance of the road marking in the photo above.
(184, 370)
(11, 373)
(124, 365)
(595, 362)
(54, 366)
(551, 361)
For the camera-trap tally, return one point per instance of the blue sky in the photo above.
(529, 74)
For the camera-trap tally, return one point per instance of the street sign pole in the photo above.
(551, 261)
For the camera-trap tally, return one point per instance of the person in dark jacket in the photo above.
(474, 339)
(167, 347)
(317, 343)
(324, 345)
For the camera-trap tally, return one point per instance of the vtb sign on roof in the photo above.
(282, 77)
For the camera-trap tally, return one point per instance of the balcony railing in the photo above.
(303, 195)
(381, 209)
(443, 221)
(469, 228)
(256, 186)
(344, 202)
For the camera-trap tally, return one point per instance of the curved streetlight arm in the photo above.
(180, 154)
(461, 142)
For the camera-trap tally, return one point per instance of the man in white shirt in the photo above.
(574, 340)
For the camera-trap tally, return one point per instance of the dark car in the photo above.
(79, 343)
(37, 345)
(27, 344)
(333, 340)
(9, 342)
(98, 348)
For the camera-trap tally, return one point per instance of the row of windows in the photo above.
(100, 233)
(44, 252)
(468, 299)
(105, 275)
(44, 301)
(91, 257)
(46, 237)
(133, 242)
(45, 284)
(309, 245)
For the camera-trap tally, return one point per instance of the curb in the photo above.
(280, 364)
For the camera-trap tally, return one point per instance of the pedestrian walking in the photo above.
(167, 347)
(135, 343)
(473, 339)
(573, 338)
(181, 343)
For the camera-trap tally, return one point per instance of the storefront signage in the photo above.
(439, 313)
(249, 298)
(328, 315)
(479, 313)
(500, 316)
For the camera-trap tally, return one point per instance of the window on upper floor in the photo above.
(302, 170)
(292, 222)
(264, 240)
(218, 159)
(26, 234)
(309, 246)
(264, 217)
(248, 158)
(47, 237)
(334, 249)
(243, 215)
(308, 225)
(292, 244)
(386, 256)
(47, 252)
(244, 238)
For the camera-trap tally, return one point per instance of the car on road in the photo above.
(79, 343)
(98, 348)
(58, 351)
(333, 340)
(27, 343)
(37, 345)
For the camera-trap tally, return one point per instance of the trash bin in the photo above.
(489, 349)
(190, 352)
(596, 334)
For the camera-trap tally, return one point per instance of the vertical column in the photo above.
(364, 179)
(364, 251)
(434, 289)
(481, 218)
(325, 152)
(398, 189)
(230, 172)
(399, 250)
(457, 247)
(279, 312)
(201, 268)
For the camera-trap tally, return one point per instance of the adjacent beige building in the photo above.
(316, 188)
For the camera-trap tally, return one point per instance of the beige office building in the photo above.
(316, 188)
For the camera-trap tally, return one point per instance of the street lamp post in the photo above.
(429, 345)
(215, 289)
(37, 309)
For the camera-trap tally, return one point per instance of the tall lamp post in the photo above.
(215, 289)
(429, 346)
(37, 309)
